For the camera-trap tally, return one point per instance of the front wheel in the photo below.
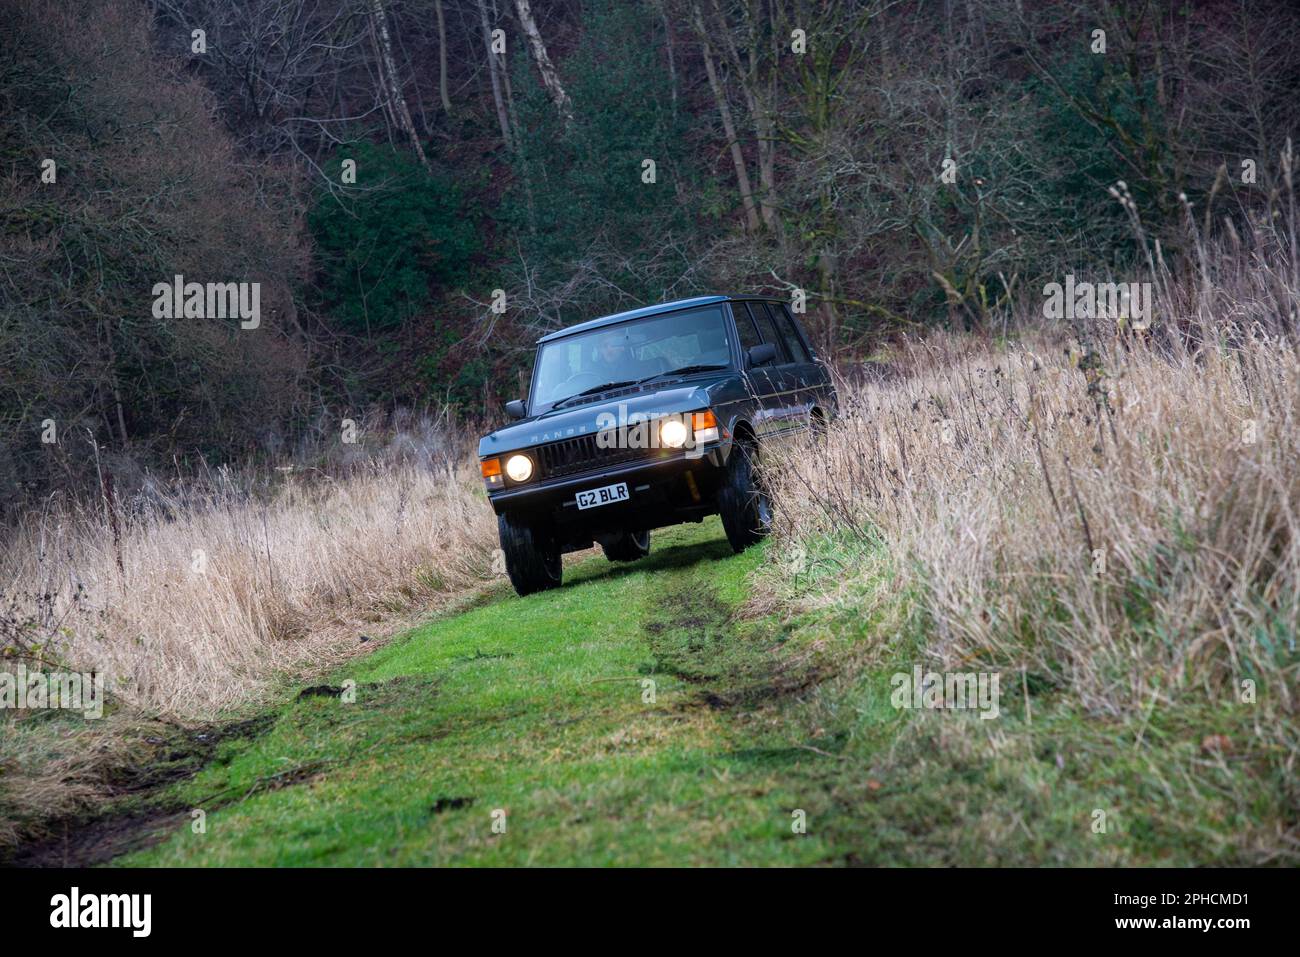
(628, 547)
(742, 503)
(532, 556)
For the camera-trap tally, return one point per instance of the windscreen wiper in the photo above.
(592, 391)
(684, 370)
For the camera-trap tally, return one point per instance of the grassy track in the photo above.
(537, 709)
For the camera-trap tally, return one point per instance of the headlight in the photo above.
(673, 433)
(519, 468)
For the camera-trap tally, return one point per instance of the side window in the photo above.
(745, 329)
(802, 331)
(768, 331)
(793, 344)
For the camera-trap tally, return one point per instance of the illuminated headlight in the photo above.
(673, 433)
(519, 468)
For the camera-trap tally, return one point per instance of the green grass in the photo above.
(537, 709)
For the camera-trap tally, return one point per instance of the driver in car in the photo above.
(611, 360)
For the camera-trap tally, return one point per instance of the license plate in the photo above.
(603, 496)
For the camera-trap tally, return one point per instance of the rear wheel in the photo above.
(532, 555)
(818, 427)
(742, 503)
(628, 547)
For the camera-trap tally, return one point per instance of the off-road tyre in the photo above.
(628, 547)
(742, 501)
(532, 556)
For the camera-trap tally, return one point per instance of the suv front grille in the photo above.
(582, 454)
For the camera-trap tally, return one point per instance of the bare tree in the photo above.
(397, 101)
(757, 73)
(494, 67)
(728, 124)
(442, 57)
(550, 77)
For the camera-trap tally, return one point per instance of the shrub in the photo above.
(384, 244)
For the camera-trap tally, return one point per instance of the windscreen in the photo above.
(629, 352)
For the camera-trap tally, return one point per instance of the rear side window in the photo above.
(745, 328)
(793, 343)
(768, 331)
(802, 332)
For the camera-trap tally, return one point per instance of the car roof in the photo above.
(648, 311)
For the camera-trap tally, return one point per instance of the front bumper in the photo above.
(675, 481)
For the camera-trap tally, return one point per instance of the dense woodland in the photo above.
(906, 165)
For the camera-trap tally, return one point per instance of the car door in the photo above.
(784, 381)
(804, 378)
(763, 382)
(821, 380)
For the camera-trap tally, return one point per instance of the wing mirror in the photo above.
(515, 409)
(761, 355)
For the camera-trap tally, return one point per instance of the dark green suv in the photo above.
(645, 419)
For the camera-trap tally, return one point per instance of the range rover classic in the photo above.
(646, 419)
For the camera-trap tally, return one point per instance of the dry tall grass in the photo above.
(1119, 510)
(1118, 520)
(190, 602)
(198, 595)
(1127, 540)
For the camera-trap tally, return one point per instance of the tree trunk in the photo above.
(728, 127)
(550, 78)
(496, 80)
(379, 20)
(672, 58)
(442, 57)
(760, 115)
